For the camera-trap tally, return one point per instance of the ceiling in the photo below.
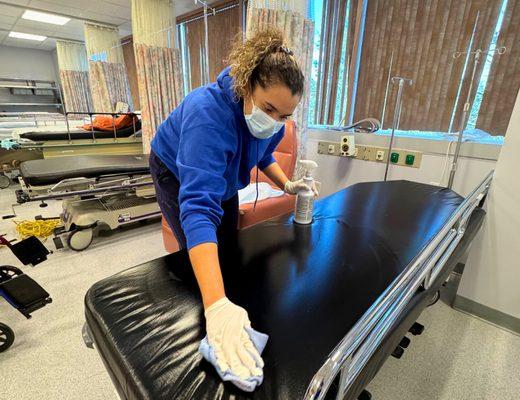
(115, 12)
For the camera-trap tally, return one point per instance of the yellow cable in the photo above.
(39, 228)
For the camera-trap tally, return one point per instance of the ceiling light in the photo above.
(44, 17)
(28, 36)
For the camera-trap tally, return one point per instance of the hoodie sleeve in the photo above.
(268, 158)
(206, 144)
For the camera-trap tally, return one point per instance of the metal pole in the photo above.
(206, 42)
(462, 123)
(386, 91)
(397, 111)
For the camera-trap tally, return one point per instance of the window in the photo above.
(405, 38)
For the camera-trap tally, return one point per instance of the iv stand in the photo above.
(397, 112)
(206, 38)
(467, 105)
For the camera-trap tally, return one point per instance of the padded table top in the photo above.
(52, 170)
(79, 134)
(304, 285)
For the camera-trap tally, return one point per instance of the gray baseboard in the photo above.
(495, 317)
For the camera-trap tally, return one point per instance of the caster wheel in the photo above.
(7, 272)
(5, 182)
(435, 298)
(6, 337)
(79, 240)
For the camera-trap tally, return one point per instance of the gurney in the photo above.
(336, 297)
(62, 141)
(98, 192)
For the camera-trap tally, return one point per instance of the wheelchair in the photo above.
(24, 294)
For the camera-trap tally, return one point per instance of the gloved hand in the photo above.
(225, 327)
(292, 187)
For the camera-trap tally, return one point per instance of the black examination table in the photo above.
(306, 286)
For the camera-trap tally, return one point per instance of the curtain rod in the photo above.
(210, 14)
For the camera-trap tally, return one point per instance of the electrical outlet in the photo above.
(369, 154)
(331, 149)
(347, 146)
(380, 155)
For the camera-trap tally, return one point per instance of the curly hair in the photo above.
(264, 60)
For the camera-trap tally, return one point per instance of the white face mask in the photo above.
(262, 125)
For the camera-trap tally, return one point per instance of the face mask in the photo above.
(262, 125)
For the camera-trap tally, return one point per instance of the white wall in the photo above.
(336, 173)
(492, 273)
(17, 62)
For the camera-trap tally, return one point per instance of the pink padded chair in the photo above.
(285, 155)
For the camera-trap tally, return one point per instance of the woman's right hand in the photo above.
(234, 350)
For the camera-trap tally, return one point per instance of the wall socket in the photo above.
(401, 157)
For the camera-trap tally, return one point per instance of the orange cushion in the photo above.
(107, 122)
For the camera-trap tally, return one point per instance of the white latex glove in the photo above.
(225, 326)
(292, 187)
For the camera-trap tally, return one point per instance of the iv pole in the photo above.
(465, 111)
(397, 113)
(206, 38)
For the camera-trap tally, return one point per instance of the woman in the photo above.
(203, 154)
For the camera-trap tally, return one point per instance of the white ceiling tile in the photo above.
(7, 19)
(38, 30)
(18, 2)
(11, 11)
(5, 26)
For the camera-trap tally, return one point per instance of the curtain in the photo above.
(290, 16)
(159, 71)
(423, 35)
(223, 28)
(131, 71)
(504, 77)
(108, 79)
(73, 69)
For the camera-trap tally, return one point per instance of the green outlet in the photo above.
(410, 159)
(394, 157)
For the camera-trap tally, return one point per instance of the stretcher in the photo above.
(336, 297)
(98, 192)
(61, 141)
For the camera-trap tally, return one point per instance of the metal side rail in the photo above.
(103, 188)
(355, 349)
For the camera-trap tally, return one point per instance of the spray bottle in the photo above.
(305, 198)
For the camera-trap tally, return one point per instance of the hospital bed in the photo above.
(62, 141)
(336, 297)
(98, 192)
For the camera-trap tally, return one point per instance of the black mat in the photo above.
(305, 286)
(52, 170)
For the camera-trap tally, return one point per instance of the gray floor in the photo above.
(457, 357)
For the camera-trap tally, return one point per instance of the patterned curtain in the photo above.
(290, 17)
(159, 70)
(108, 79)
(73, 67)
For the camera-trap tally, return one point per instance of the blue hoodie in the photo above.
(206, 143)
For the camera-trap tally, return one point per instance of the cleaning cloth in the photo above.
(248, 385)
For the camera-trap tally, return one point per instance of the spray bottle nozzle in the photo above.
(309, 166)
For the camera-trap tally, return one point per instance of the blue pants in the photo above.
(167, 188)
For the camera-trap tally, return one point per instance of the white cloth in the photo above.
(225, 325)
(265, 191)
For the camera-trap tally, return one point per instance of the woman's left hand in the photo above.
(293, 187)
